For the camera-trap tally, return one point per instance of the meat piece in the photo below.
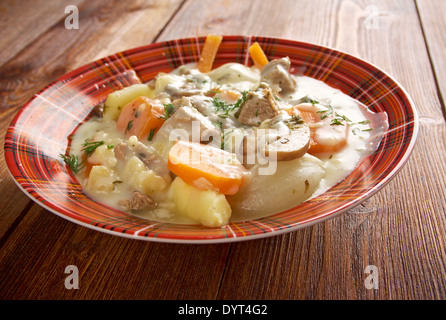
(122, 151)
(277, 74)
(259, 105)
(139, 201)
(188, 86)
(182, 102)
(188, 124)
(98, 110)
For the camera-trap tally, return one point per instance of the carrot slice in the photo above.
(257, 55)
(206, 167)
(210, 48)
(142, 118)
(325, 137)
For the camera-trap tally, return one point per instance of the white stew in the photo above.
(232, 144)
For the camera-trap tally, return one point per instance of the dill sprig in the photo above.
(223, 139)
(168, 110)
(129, 126)
(241, 100)
(221, 105)
(228, 107)
(357, 130)
(90, 146)
(294, 122)
(73, 162)
(151, 134)
(337, 118)
(307, 99)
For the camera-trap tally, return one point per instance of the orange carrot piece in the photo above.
(228, 96)
(206, 167)
(324, 137)
(257, 55)
(208, 53)
(142, 118)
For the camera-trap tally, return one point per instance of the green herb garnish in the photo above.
(151, 134)
(90, 146)
(356, 130)
(307, 99)
(221, 105)
(337, 118)
(129, 126)
(73, 162)
(336, 122)
(168, 110)
(294, 122)
(241, 100)
(223, 139)
(227, 107)
(219, 125)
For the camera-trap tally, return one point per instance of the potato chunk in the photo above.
(101, 179)
(142, 179)
(103, 155)
(292, 183)
(209, 208)
(118, 99)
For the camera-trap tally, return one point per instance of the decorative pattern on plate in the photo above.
(40, 132)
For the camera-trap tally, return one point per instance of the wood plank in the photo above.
(60, 50)
(109, 267)
(433, 24)
(32, 16)
(401, 230)
(398, 229)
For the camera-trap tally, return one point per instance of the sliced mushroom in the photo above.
(277, 74)
(283, 140)
(290, 146)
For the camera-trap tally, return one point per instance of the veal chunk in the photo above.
(277, 74)
(259, 106)
(188, 124)
(139, 201)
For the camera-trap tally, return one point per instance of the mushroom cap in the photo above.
(277, 145)
(289, 146)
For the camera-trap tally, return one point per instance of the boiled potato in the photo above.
(209, 208)
(136, 174)
(118, 99)
(292, 183)
(101, 179)
(103, 155)
(164, 79)
(233, 72)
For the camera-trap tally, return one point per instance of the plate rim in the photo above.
(348, 206)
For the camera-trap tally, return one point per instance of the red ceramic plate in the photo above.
(39, 134)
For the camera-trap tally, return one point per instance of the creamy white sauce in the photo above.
(339, 165)
(336, 166)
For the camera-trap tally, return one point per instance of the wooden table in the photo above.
(401, 230)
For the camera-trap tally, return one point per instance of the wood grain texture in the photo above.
(35, 17)
(433, 25)
(109, 267)
(59, 50)
(335, 254)
(401, 230)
